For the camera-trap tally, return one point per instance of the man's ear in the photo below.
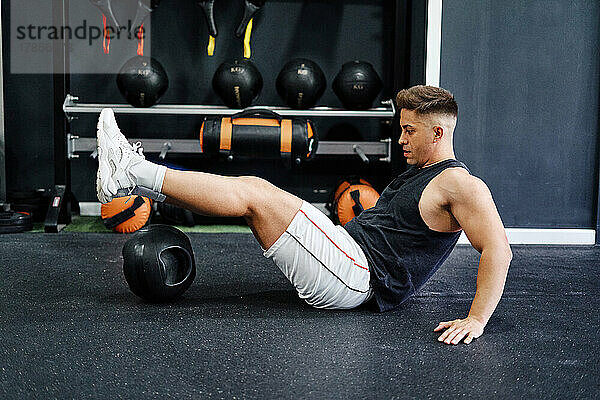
(438, 133)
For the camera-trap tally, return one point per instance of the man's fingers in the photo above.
(444, 335)
(469, 338)
(453, 335)
(443, 325)
(459, 336)
(459, 329)
(448, 331)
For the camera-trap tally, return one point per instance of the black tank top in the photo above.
(401, 249)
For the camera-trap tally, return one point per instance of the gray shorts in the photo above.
(324, 263)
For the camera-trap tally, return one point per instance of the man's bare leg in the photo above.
(123, 168)
(267, 209)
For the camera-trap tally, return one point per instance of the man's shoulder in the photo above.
(457, 184)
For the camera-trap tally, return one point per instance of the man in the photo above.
(385, 253)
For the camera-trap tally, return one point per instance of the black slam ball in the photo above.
(158, 263)
(301, 83)
(142, 81)
(238, 83)
(357, 85)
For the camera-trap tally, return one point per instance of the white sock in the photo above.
(149, 175)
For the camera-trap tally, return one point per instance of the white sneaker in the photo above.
(115, 159)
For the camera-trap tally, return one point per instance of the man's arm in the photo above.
(471, 203)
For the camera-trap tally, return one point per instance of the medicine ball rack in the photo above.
(408, 27)
(382, 149)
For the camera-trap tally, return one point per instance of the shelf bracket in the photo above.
(358, 150)
(387, 158)
(164, 149)
(67, 104)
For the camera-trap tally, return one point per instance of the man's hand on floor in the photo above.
(468, 328)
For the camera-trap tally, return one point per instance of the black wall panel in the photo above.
(526, 77)
(28, 122)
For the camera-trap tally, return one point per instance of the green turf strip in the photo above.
(94, 224)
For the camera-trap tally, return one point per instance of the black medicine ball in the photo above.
(357, 85)
(238, 83)
(301, 83)
(175, 215)
(158, 263)
(142, 81)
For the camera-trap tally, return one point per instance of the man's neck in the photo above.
(437, 160)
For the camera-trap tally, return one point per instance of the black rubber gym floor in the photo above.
(70, 328)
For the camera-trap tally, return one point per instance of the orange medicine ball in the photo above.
(352, 197)
(126, 214)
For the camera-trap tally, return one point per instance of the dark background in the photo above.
(525, 75)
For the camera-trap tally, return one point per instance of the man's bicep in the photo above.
(475, 211)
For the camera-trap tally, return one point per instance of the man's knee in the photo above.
(254, 191)
(260, 195)
(253, 181)
(254, 187)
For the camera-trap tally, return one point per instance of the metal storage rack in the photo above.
(76, 144)
(71, 106)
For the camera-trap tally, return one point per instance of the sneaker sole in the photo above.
(104, 181)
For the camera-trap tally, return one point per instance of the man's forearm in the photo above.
(491, 275)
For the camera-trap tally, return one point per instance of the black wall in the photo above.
(526, 76)
(29, 105)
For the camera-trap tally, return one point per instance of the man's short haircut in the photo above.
(427, 100)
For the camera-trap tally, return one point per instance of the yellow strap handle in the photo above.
(247, 35)
(211, 45)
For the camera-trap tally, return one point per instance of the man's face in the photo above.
(417, 137)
